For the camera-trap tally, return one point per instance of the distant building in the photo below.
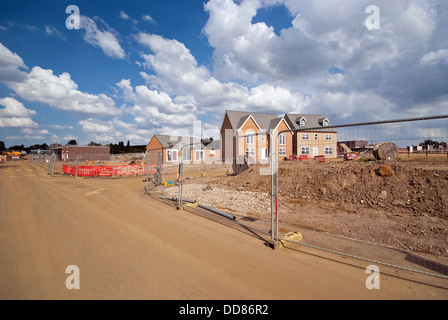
(212, 152)
(73, 153)
(356, 144)
(174, 149)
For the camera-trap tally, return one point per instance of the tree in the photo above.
(94, 144)
(18, 148)
(2, 146)
(430, 142)
(72, 143)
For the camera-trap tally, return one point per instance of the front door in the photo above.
(315, 151)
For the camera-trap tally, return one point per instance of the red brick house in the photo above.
(249, 133)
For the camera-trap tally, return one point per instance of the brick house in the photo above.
(256, 129)
(82, 153)
(316, 139)
(173, 149)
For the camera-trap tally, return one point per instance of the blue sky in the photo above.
(137, 68)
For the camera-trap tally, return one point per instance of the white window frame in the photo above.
(305, 150)
(328, 137)
(282, 139)
(250, 140)
(201, 153)
(305, 136)
(282, 152)
(250, 151)
(302, 122)
(325, 123)
(328, 150)
(186, 154)
(172, 152)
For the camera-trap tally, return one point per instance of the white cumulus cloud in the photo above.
(433, 58)
(11, 65)
(62, 92)
(14, 114)
(106, 40)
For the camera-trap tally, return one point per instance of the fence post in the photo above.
(180, 180)
(76, 162)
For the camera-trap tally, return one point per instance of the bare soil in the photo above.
(400, 204)
(128, 245)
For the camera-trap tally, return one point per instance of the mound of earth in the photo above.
(402, 188)
(404, 205)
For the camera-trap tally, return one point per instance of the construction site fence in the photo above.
(108, 171)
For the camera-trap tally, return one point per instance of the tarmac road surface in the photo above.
(129, 246)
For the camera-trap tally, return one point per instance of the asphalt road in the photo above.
(129, 246)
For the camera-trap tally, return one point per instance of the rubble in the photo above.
(408, 209)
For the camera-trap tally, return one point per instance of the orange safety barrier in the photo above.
(319, 158)
(108, 171)
(299, 157)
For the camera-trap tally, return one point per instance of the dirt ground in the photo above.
(129, 245)
(400, 204)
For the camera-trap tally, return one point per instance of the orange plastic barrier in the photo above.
(299, 157)
(108, 171)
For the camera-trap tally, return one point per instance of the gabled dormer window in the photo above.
(302, 122)
(325, 122)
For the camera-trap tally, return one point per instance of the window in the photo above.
(171, 155)
(302, 122)
(282, 152)
(305, 136)
(186, 154)
(282, 138)
(264, 153)
(316, 136)
(328, 150)
(325, 124)
(250, 139)
(250, 152)
(328, 137)
(199, 155)
(305, 150)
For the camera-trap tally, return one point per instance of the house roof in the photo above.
(311, 121)
(214, 145)
(168, 141)
(265, 121)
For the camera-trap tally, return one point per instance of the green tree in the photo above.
(2, 146)
(430, 142)
(94, 144)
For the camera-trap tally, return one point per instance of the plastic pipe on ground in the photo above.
(224, 214)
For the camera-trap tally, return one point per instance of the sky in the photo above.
(113, 71)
